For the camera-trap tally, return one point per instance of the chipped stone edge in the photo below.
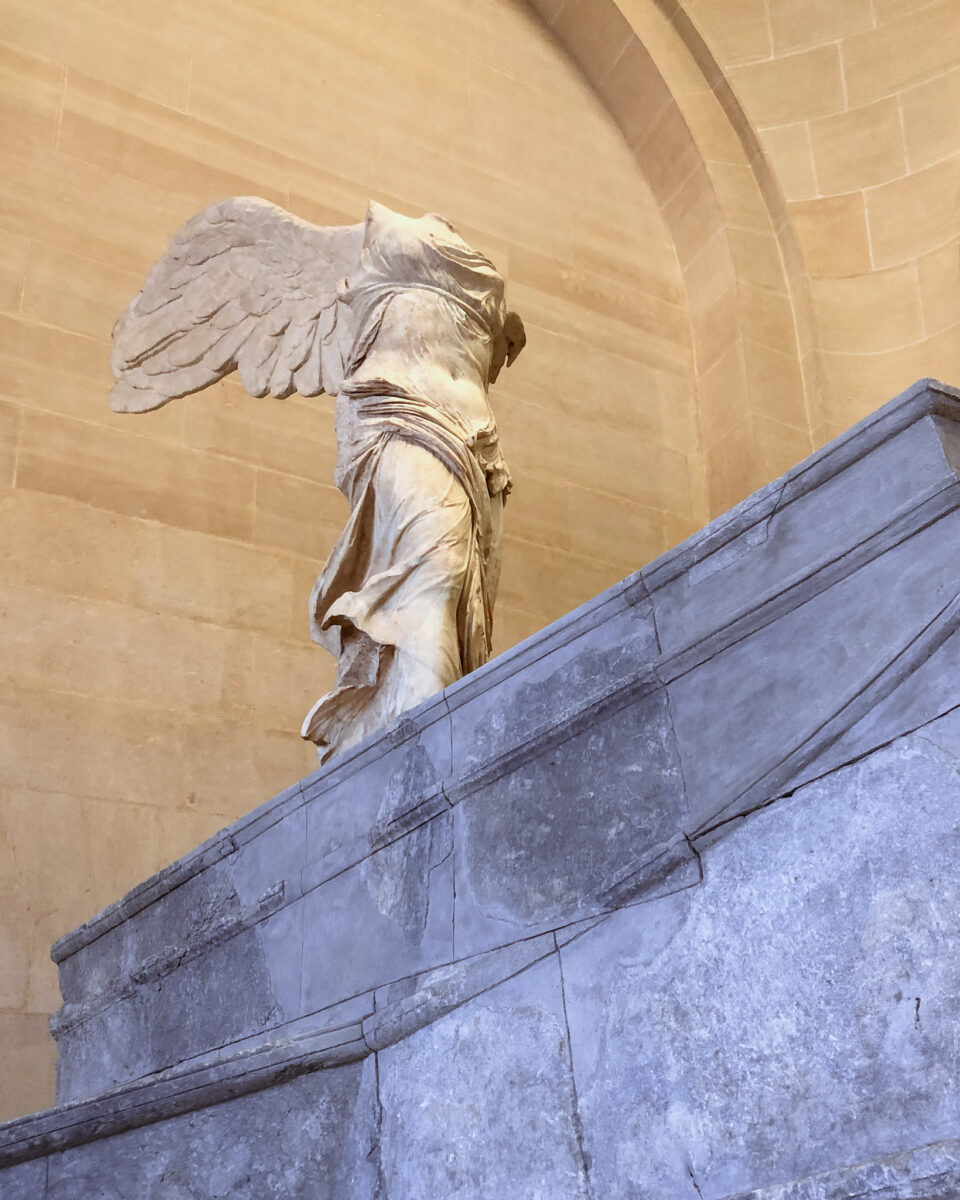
(898, 1176)
(927, 397)
(157, 966)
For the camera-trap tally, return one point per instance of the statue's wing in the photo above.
(246, 286)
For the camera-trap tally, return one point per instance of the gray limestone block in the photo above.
(222, 996)
(127, 985)
(547, 690)
(924, 1173)
(795, 1013)
(174, 918)
(411, 1003)
(814, 522)
(146, 989)
(335, 1017)
(95, 966)
(742, 713)
(311, 1139)
(275, 853)
(184, 912)
(540, 846)
(482, 1104)
(389, 916)
(350, 801)
(25, 1181)
(279, 945)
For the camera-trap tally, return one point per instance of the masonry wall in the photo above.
(857, 107)
(805, 158)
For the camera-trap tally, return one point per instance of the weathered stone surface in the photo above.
(927, 692)
(523, 838)
(400, 876)
(409, 1004)
(611, 648)
(504, 1053)
(278, 852)
(370, 787)
(222, 996)
(188, 907)
(765, 694)
(798, 1010)
(388, 917)
(235, 1070)
(279, 943)
(879, 471)
(926, 1173)
(25, 1181)
(154, 1009)
(305, 1140)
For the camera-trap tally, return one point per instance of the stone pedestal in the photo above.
(663, 902)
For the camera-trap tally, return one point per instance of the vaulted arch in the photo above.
(758, 382)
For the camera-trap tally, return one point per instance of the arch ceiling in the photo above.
(809, 175)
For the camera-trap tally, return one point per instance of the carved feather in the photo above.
(243, 286)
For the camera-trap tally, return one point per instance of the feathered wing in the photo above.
(243, 286)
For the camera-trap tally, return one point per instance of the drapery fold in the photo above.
(405, 599)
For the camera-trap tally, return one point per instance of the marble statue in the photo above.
(406, 326)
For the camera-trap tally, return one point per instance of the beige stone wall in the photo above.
(753, 371)
(858, 111)
(155, 570)
(806, 158)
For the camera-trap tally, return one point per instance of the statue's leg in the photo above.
(423, 536)
(408, 561)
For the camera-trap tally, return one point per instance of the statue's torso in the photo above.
(427, 311)
(426, 345)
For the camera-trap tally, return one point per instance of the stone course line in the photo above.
(215, 1078)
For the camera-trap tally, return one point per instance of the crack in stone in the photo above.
(577, 1120)
(936, 745)
(841, 766)
(381, 1192)
(693, 1180)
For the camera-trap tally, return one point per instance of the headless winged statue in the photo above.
(406, 326)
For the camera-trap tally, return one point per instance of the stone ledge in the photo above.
(225, 1075)
(925, 398)
(167, 1094)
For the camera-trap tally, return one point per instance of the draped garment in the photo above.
(405, 599)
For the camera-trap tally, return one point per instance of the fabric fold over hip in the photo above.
(406, 597)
